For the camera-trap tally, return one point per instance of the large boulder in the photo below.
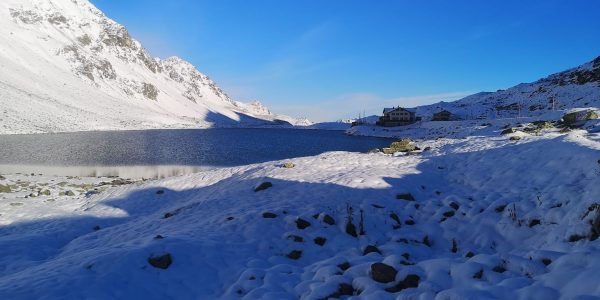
(404, 145)
(383, 273)
(576, 117)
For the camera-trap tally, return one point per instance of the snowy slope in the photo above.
(577, 87)
(491, 218)
(65, 66)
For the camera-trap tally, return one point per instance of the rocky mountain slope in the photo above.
(577, 87)
(66, 66)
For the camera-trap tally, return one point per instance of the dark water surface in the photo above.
(190, 147)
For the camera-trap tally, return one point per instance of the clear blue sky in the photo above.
(329, 59)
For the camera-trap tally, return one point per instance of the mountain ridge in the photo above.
(70, 58)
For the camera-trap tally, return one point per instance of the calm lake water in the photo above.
(192, 148)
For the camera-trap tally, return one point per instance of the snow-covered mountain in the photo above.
(65, 66)
(577, 87)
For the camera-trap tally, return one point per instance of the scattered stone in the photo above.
(159, 237)
(327, 219)
(515, 138)
(120, 181)
(96, 228)
(454, 205)
(269, 215)
(161, 262)
(500, 208)
(576, 237)
(263, 186)
(160, 192)
(454, 246)
(499, 269)
(406, 255)
(351, 229)
(288, 165)
(45, 193)
(296, 238)
(405, 196)
(375, 150)
(371, 249)
(295, 254)
(508, 131)
(395, 217)
(344, 289)
(469, 254)
(409, 222)
(344, 266)
(377, 206)
(320, 240)
(542, 124)
(410, 281)
(4, 188)
(69, 193)
(229, 218)
(301, 223)
(478, 275)
(426, 241)
(448, 214)
(383, 273)
(534, 222)
(546, 261)
(168, 215)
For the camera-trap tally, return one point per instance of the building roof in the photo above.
(390, 109)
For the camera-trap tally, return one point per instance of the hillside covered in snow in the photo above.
(577, 87)
(65, 66)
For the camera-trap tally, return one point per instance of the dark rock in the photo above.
(383, 273)
(377, 206)
(469, 254)
(69, 193)
(478, 275)
(406, 255)
(269, 215)
(405, 196)
(371, 249)
(327, 219)
(499, 269)
(546, 261)
(448, 214)
(410, 281)
(296, 238)
(263, 186)
(161, 262)
(168, 215)
(454, 205)
(320, 240)
(160, 192)
(301, 223)
(344, 289)
(344, 266)
(295, 254)
(426, 241)
(159, 237)
(351, 229)
(576, 237)
(395, 217)
(229, 218)
(500, 208)
(508, 131)
(534, 222)
(409, 222)
(96, 228)
(454, 246)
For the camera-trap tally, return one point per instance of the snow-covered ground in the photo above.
(479, 216)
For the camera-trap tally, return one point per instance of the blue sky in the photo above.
(331, 59)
